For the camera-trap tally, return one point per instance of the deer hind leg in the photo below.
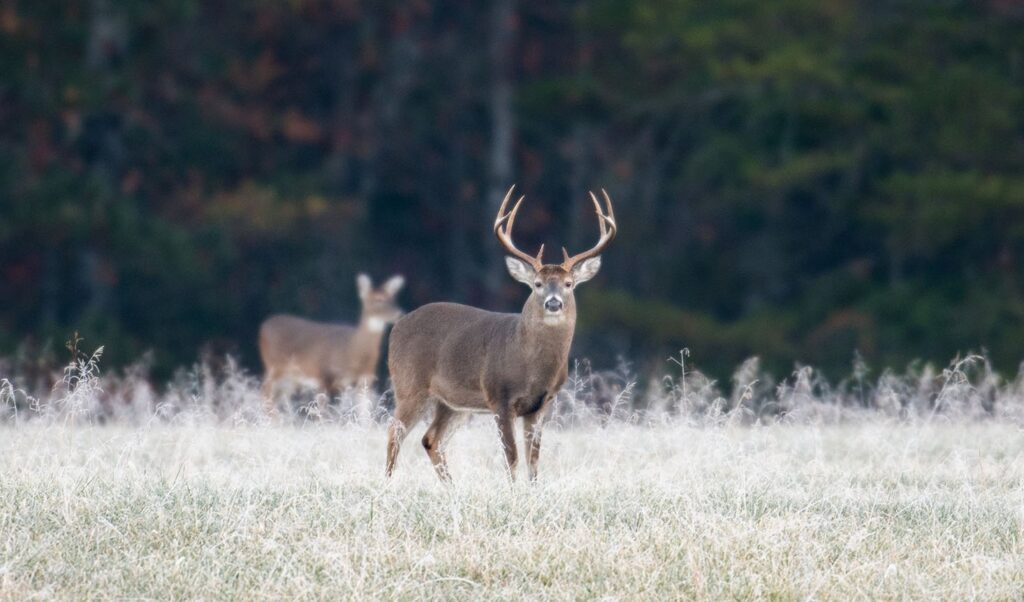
(362, 390)
(445, 419)
(408, 410)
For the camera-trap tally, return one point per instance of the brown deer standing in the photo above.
(337, 356)
(455, 358)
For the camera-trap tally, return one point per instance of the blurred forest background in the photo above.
(795, 179)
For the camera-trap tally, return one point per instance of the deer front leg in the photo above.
(329, 391)
(268, 389)
(505, 419)
(533, 424)
(366, 381)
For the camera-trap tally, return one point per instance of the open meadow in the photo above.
(245, 247)
(903, 486)
(871, 511)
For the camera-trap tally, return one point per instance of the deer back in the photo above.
(290, 343)
(465, 354)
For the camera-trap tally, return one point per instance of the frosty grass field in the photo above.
(824, 501)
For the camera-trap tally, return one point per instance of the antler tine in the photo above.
(608, 229)
(504, 201)
(600, 215)
(610, 216)
(503, 230)
(512, 216)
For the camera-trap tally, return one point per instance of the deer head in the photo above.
(552, 285)
(380, 306)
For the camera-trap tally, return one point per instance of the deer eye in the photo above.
(568, 284)
(538, 284)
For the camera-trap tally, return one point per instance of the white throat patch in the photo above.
(375, 324)
(554, 319)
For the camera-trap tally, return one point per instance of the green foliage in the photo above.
(795, 179)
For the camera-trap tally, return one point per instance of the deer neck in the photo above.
(543, 337)
(370, 331)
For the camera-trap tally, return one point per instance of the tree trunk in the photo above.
(463, 219)
(502, 131)
(580, 182)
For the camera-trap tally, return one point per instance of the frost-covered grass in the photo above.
(870, 510)
(218, 391)
(884, 485)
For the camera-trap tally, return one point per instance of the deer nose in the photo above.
(553, 304)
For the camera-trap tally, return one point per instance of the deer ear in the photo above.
(586, 270)
(364, 285)
(395, 284)
(520, 271)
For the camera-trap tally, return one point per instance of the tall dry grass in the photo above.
(218, 390)
(901, 486)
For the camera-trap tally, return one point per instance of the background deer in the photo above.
(337, 356)
(455, 358)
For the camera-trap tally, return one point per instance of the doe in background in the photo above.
(335, 356)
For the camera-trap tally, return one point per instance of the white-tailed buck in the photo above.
(454, 358)
(337, 356)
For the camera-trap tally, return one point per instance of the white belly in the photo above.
(458, 397)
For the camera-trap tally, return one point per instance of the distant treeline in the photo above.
(794, 179)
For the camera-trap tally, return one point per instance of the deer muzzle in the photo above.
(553, 304)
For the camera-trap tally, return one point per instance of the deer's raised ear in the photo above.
(364, 285)
(520, 271)
(586, 270)
(395, 284)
